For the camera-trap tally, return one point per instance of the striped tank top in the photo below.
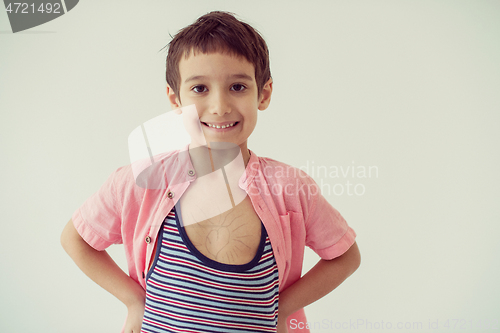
(188, 292)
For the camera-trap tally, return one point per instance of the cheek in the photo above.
(188, 100)
(251, 119)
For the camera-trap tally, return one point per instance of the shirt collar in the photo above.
(178, 168)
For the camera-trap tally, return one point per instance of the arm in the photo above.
(325, 276)
(102, 269)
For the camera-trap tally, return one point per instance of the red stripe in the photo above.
(175, 245)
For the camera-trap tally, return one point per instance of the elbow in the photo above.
(64, 239)
(355, 257)
(357, 262)
(68, 236)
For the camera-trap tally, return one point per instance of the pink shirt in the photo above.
(288, 202)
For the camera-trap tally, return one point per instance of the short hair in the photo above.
(218, 31)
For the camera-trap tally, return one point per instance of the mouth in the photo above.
(221, 126)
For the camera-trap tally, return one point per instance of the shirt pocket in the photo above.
(293, 234)
(293, 229)
(287, 234)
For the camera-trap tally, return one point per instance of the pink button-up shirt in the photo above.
(288, 202)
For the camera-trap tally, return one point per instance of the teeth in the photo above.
(223, 126)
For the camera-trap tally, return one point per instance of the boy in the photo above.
(222, 273)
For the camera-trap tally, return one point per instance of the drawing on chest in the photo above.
(232, 237)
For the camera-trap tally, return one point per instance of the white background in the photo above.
(411, 87)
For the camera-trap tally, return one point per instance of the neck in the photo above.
(206, 160)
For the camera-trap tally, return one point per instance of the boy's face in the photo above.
(225, 93)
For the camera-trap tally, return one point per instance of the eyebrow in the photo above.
(234, 76)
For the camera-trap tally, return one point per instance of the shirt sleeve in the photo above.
(98, 220)
(327, 232)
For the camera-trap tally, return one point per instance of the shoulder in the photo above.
(286, 183)
(290, 189)
(133, 179)
(122, 184)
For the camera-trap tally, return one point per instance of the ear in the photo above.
(265, 95)
(174, 101)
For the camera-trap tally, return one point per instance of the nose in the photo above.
(219, 103)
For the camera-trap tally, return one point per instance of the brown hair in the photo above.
(218, 32)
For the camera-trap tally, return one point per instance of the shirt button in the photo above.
(148, 239)
(170, 194)
(191, 173)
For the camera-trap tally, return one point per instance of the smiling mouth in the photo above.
(220, 126)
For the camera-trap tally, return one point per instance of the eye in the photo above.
(199, 89)
(238, 87)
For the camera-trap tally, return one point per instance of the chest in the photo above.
(232, 237)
